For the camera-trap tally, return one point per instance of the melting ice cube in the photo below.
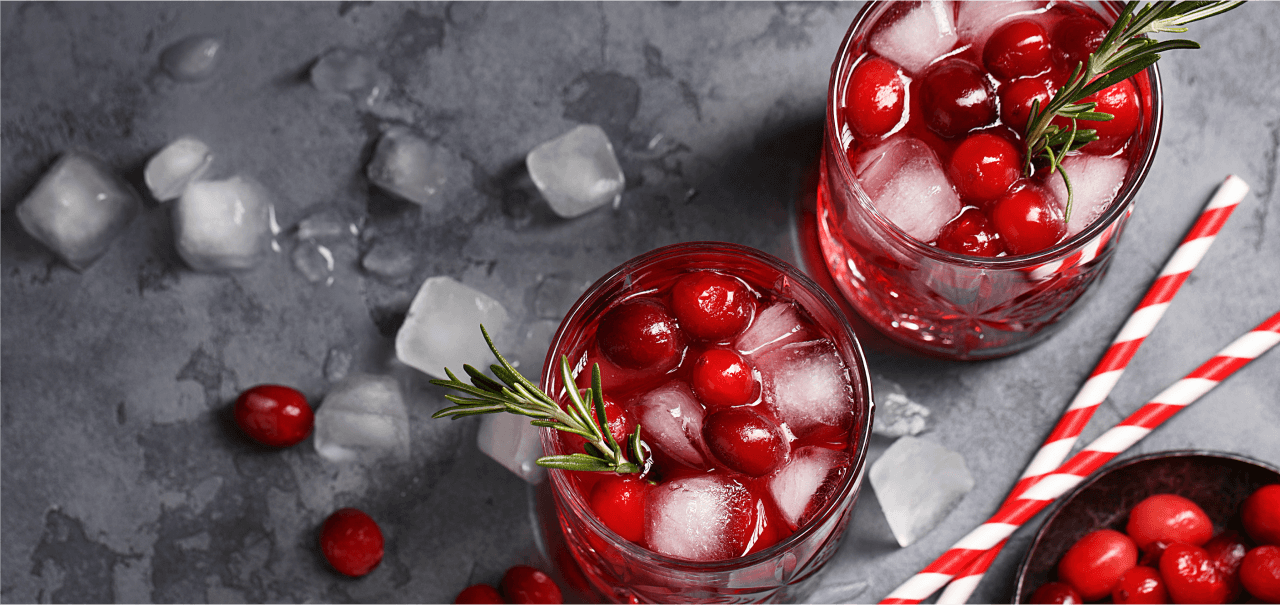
(777, 325)
(896, 415)
(442, 328)
(78, 208)
(1095, 182)
(918, 482)
(700, 518)
(363, 418)
(977, 20)
(192, 58)
(352, 74)
(514, 443)
(671, 419)
(390, 260)
(576, 172)
(314, 261)
(180, 162)
(808, 385)
(325, 224)
(908, 186)
(803, 485)
(920, 36)
(222, 225)
(416, 170)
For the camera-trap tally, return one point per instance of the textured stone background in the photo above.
(123, 477)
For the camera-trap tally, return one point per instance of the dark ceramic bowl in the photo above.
(1217, 482)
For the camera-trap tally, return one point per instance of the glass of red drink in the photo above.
(756, 406)
(921, 224)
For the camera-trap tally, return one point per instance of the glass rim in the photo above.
(566, 493)
(1061, 250)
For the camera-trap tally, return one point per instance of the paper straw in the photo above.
(1049, 487)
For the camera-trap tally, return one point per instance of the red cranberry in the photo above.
(619, 502)
(1260, 514)
(955, 98)
(1017, 98)
(1122, 101)
(1075, 38)
(984, 166)
(1018, 48)
(722, 377)
(1260, 575)
(970, 233)
(1028, 221)
(874, 97)
(744, 441)
(1140, 584)
(1056, 593)
(640, 333)
(712, 306)
(525, 584)
(1095, 562)
(351, 542)
(274, 415)
(1190, 576)
(1169, 518)
(479, 593)
(1226, 551)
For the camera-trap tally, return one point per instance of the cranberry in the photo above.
(1075, 38)
(525, 584)
(744, 441)
(1151, 554)
(1190, 576)
(1226, 551)
(640, 333)
(1170, 518)
(874, 97)
(1260, 514)
(617, 420)
(1017, 97)
(274, 415)
(970, 233)
(1140, 584)
(1095, 562)
(712, 306)
(1122, 101)
(1028, 221)
(1018, 48)
(479, 593)
(351, 542)
(619, 502)
(955, 98)
(722, 377)
(984, 166)
(1260, 575)
(1056, 593)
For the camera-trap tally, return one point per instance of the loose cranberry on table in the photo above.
(1261, 514)
(955, 98)
(1169, 518)
(1028, 221)
(352, 542)
(619, 502)
(744, 440)
(712, 306)
(1260, 574)
(640, 333)
(1140, 584)
(1018, 48)
(1191, 577)
(970, 233)
(479, 593)
(722, 377)
(274, 415)
(525, 584)
(874, 97)
(1095, 562)
(984, 166)
(1056, 593)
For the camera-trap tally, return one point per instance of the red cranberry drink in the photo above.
(928, 221)
(752, 395)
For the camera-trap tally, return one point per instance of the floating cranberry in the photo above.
(1140, 584)
(1169, 518)
(525, 584)
(1075, 38)
(640, 333)
(984, 166)
(479, 593)
(1226, 551)
(722, 377)
(1028, 221)
(712, 306)
(955, 98)
(1095, 562)
(351, 542)
(744, 441)
(1056, 593)
(1261, 514)
(970, 233)
(619, 502)
(1017, 98)
(1191, 577)
(1260, 575)
(1018, 48)
(874, 98)
(274, 415)
(1122, 101)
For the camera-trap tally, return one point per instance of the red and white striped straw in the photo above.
(1049, 487)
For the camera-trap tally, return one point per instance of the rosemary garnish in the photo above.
(1123, 52)
(517, 395)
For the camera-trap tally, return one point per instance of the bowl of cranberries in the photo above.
(1172, 527)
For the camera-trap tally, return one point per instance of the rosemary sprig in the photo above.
(517, 395)
(1123, 52)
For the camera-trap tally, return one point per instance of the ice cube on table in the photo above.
(363, 419)
(699, 518)
(223, 225)
(514, 443)
(918, 482)
(576, 172)
(192, 58)
(78, 208)
(918, 37)
(671, 419)
(326, 224)
(169, 171)
(1095, 182)
(896, 415)
(314, 261)
(353, 74)
(975, 21)
(806, 482)
(776, 325)
(442, 328)
(424, 173)
(808, 386)
(908, 185)
(389, 260)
